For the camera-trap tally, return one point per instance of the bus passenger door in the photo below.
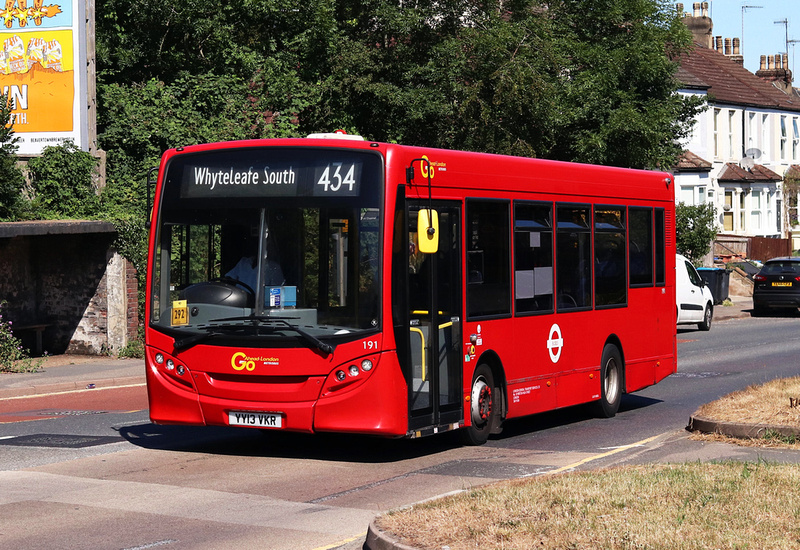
(434, 331)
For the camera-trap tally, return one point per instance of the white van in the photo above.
(695, 303)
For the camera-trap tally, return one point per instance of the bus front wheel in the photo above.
(481, 406)
(611, 385)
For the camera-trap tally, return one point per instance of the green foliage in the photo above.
(62, 181)
(695, 229)
(618, 104)
(13, 357)
(135, 347)
(591, 81)
(11, 178)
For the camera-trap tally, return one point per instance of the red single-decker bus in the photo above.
(333, 284)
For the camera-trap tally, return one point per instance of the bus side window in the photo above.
(573, 256)
(610, 281)
(661, 270)
(533, 257)
(640, 246)
(488, 258)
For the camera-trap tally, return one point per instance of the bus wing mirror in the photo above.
(428, 231)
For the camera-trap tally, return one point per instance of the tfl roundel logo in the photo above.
(554, 343)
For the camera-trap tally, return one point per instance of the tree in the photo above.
(589, 80)
(62, 179)
(695, 230)
(11, 178)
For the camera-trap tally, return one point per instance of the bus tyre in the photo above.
(610, 382)
(481, 407)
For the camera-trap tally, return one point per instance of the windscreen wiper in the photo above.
(191, 340)
(325, 348)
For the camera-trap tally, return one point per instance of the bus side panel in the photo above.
(379, 407)
(532, 396)
(578, 387)
(666, 367)
(638, 374)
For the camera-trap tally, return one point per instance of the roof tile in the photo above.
(730, 83)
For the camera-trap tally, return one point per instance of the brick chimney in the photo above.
(775, 69)
(736, 55)
(699, 23)
(731, 49)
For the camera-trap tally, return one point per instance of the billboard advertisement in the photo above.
(43, 71)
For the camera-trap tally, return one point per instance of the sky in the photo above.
(762, 36)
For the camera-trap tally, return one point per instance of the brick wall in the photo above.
(63, 281)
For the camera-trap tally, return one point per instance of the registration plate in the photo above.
(255, 419)
(782, 284)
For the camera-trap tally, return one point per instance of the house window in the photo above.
(742, 217)
(701, 195)
(791, 201)
(795, 138)
(716, 133)
(727, 215)
(731, 120)
(764, 136)
(751, 131)
(755, 212)
(783, 138)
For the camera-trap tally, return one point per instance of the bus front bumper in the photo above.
(378, 406)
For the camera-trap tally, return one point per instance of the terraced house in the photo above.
(746, 145)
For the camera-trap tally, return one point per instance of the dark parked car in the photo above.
(777, 285)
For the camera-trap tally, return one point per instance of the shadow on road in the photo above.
(340, 447)
(567, 416)
(252, 442)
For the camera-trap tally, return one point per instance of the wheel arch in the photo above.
(493, 361)
(614, 339)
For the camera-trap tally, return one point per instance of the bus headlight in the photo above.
(350, 375)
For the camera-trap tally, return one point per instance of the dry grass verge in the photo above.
(659, 506)
(769, 403)
(775, 403)
(730, 505)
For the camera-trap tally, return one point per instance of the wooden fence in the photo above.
(752, 248)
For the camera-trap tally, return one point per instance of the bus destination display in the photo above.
(207, 177)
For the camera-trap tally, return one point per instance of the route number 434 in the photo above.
(332, 178)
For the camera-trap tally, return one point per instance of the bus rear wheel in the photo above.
(481, 407)
(611, 385)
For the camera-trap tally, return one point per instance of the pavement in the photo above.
(740, 307)
(60, 373)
